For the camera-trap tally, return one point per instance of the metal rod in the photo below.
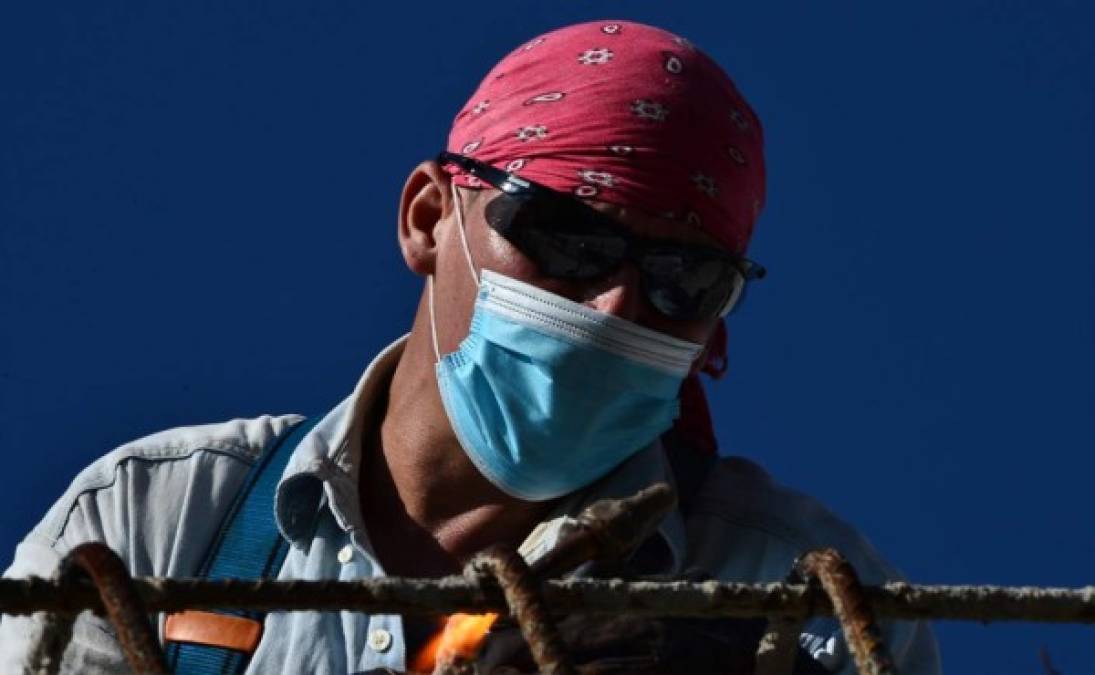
(45, 657)
(609, 530)
(841, 583)
(451, 665)
(95, 563)
(522, 592)
(778, 646)
(392, 595)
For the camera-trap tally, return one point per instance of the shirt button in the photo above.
(346, 554)
(380, 640)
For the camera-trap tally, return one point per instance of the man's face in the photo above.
(618, 293)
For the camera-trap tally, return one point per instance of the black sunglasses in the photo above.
(568, 239)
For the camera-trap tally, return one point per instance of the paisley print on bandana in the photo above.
(636, 112)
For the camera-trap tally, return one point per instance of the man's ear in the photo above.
(425, 201)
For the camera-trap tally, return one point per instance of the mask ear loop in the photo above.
(433, 318)
(459, 207)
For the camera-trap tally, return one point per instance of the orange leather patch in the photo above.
(216, 630)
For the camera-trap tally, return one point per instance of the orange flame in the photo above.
(461, 637)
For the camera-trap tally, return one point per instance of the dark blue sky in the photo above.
(197, 222)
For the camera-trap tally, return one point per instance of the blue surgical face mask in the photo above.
(547, 395)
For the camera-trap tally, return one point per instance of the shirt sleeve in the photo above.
(93, 647)
(157, 503)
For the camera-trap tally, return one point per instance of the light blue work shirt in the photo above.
(159, 501)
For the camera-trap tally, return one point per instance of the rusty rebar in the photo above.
(609, 530)
(522, 591)
(46, 655)
(778, 647)
(450, 664)
(852, 608)
(117, 596)
(394, 595)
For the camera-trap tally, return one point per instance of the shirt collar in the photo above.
(324, 469)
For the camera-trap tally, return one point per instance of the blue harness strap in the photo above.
(248, 546)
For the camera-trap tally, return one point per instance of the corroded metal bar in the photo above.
(393, 595)
(122, 603)
(778, 646)
(526, 606)
(451, 665)
(609, 530)
(862, 633)
(45, 657)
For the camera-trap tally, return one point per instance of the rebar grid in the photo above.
(498, 580)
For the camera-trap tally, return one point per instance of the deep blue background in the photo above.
(197, 222)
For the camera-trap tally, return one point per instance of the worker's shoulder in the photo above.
(168, 465)
(758, 526)
(242, 437)
(239, 439)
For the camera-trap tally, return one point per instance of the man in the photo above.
(581, 241)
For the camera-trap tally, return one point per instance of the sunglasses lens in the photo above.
(562, 240)
(687, 285)
(575, 255)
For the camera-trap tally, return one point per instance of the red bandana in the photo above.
(629, 114)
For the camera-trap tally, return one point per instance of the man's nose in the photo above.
(618, 294)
